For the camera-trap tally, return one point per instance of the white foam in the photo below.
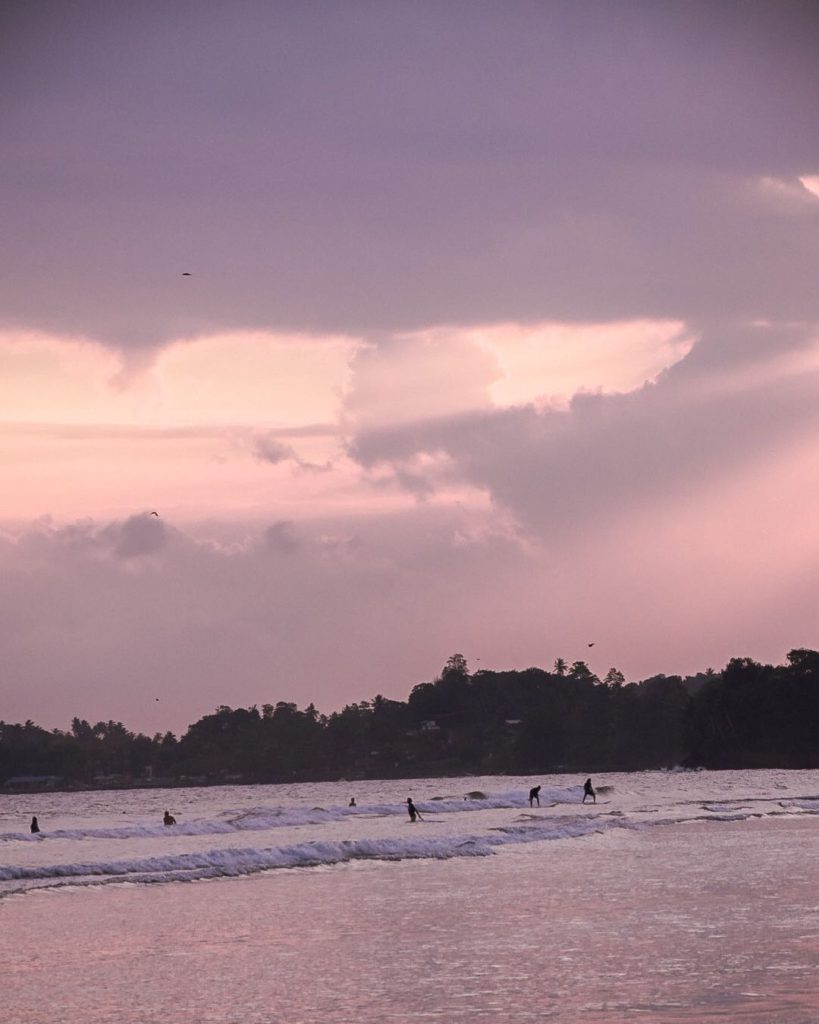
(261, 819)
(502, 818)
(251, 860)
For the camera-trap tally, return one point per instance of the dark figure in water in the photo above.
(352, 802)
(35, 827)
(169, 819)
(534, 794)
(413, 811)
(588, 790)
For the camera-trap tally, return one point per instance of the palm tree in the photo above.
(560, 667)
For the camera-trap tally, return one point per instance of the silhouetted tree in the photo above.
(749, 715)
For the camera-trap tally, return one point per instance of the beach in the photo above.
(695, 917)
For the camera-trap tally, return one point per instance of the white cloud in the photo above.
(811, 183)
(562, 472)
(550, 362)
(252, 378)
(415, 376)
(180, 433)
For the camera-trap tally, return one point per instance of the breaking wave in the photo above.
(86, 858)
(250, 860)
(262, 819)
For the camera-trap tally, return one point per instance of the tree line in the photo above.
(535, 721)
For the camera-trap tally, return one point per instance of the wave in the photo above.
(245, 861)
(236, 861)
(262, 819)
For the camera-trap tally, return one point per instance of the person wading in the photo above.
(413, 811)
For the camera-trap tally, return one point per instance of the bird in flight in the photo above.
(186, 273)
(591, 644)
(155, 514)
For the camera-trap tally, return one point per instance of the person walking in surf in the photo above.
(534, 794)
(588, 790)
(413, 811)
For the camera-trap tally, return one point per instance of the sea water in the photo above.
(678, 896)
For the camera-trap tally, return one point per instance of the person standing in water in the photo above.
(588, 790)
(35, 827)
(352, 802)
(534, 794)
(413, 811)
(169, 819)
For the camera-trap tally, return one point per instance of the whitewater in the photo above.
(672, 898)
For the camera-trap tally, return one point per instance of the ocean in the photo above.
(678, 897)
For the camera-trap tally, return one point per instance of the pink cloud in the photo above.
(551, 362)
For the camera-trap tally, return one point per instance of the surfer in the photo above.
(169, 819)
(413, 811)
(588, 790)
(35, 827)
(534, 794)
(352, 802)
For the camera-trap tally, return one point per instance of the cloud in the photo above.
(287, 402)
(207, 623)
(138, 536)
(78, 441)
(253, 377)
(230, 379)
(270, 450)
(562, 471)
(497, 316)
(282, 536)
(446, 371)
(377, 604)
(405, 168)
(429, 373)
(550, 362)
(65, 380)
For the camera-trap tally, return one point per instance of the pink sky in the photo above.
(501, 336)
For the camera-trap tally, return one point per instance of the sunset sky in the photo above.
(424, 327)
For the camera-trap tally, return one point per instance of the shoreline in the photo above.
(202, 783)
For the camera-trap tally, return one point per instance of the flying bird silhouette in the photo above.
(186, 273)
(155, 514)
(591, 644)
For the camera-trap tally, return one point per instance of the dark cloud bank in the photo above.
(368, 167)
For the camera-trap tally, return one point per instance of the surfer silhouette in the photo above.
(352, 802)
(169, 819)
(413, 811)
(534, 794)
(35, 827)
(588, 790)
